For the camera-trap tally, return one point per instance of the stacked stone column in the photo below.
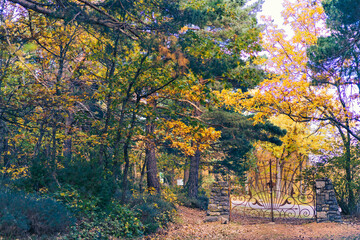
(327, 208)
(219, 203)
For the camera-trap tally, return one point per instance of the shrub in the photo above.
(201, 202)
(89, 180)
(22, 214)
(155, 212)
(117, 222)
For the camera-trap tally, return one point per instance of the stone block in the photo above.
(223, 184)
(224, 198)
(216, 189)
(213, 207)
(327, 196)
(227, 208)
(321, 214)
(326, 206)
(224, 192)
(211, 219)
(320, 199)
(333, 208)
(320, 184)
(214, 213)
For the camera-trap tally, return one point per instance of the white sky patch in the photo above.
(273, 8)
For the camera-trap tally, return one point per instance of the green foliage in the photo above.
(38, 177)
(22, 214)
(89, 180)
(332, 168)
(76, 201)
(116, 222)
(339, 50)
(83, 185)
(238, 133)
(342, 13)
(155, 212)
(201, 202)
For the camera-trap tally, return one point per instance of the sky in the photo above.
(272, 8)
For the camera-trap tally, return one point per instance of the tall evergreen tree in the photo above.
(238, 134)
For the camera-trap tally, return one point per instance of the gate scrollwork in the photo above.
(273, 194)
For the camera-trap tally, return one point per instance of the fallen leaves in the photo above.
(191, 226)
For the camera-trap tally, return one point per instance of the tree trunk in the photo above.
(68, 141)
(151, 170)
(4, 147)
(127, 145)
(150, 153)
(278, 178)
(349, 188)
(53, 163)
(142, 176)
(193, 183)
(349, 206)
(186, 172)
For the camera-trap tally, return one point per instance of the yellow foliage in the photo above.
(288, 90)
(188, 138)
(15, 172)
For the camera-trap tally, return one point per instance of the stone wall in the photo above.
(219, 203)
(327, 208)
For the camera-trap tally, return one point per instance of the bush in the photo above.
(89, 180)
(117, 222)
(155, 212)
(22, 214)
(201, 202)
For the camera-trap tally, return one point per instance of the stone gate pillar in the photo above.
(219, 203)
(327, 208)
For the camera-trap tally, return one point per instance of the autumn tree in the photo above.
(89, 66)
(334, 61)
(213, 49)
(298, 146)
(290, 90)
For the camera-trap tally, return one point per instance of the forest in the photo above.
(114, 112)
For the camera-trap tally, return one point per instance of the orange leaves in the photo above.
(176, 56)
(188, 138)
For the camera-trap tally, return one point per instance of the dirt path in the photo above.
(191, 226)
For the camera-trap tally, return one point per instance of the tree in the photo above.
(88, 66)
(238, 137)
(296, 94)
(334, 61)
(297, 146)
(213, 51)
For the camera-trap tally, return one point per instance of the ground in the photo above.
(190, 225)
